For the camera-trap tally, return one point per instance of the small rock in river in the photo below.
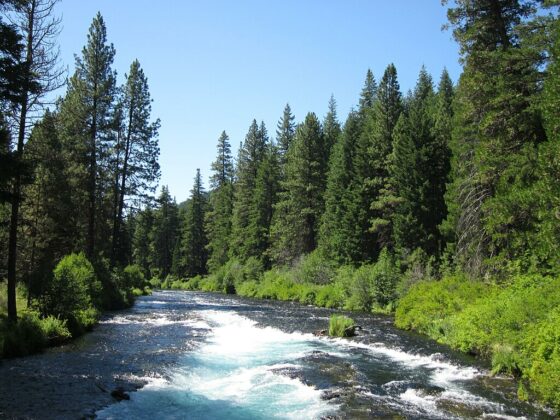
(119, 394)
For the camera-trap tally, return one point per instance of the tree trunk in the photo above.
(14, 219)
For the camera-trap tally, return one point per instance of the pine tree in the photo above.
(336, 238)
(40, 74)
(138, 172)
(142, 239)
(166, 233)
(331, 126)
(369, 92)
(194, 241)
(415, 221)
(219, 215)
(265, 197)
(251, 154)
(88, 112)
(50, 230)
(285, 132)
(386, 113)
(496, 129)
(301, 203)
(441, 156)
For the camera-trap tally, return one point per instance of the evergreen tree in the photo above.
(415, 160)
(39, 75)
(50, 230)
(331, 126)
(369, 92)
(496, 129)
(219, 215)
(251, 154)
(380, 128)
(87, 110)
(142, 240)
(265, 197)
(138, 172)
(166, 233)
(301, 203)
(285, 132)
(441, 157)
(337, 240)
(193, 241)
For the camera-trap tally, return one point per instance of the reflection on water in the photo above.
(213, 356)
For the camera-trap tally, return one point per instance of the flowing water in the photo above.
(206, 356)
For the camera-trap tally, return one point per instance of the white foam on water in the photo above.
(155, 321)
(236, 373)
(442, 371)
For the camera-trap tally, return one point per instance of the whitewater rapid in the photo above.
(238, 368)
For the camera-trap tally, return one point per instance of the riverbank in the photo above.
(34, 331)
(515, 327)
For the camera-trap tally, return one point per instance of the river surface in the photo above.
(191, 355)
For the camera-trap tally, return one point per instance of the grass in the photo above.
(341, 326)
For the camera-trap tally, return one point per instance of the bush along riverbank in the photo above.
(72, 300)
(513, 324)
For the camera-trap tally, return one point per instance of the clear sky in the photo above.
(214, 65)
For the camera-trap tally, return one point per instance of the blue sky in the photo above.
(215, 65)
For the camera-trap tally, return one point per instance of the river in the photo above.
(207, 356)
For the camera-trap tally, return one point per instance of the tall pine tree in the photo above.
(218, 218)
(193, 241)
(301, 202)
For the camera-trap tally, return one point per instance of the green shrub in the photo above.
(511, 309)
(169, 279)
(133, 277)
(418, 267)
(341, 326)
(55, 329)
(384, 278)
(330, 296)
(307, 293)
(22, 338)
(252, 269)
(361, 290)
(82, 320)
(313, 268)
(248, 289)
(428, 306)
(72, 288)
(137, 292)
(278, 284)
(542, 353)
(155, 283)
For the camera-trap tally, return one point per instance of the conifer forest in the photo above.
(437, 208)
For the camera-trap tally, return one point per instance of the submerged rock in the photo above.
(120, 394)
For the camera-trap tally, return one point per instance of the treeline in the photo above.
(443, 202)
(71, 175)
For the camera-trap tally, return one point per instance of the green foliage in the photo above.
(516, 326)
(218, 217)
(314, 268)
(194, 253)
(73, 287)
(330, 296)
(133, 277)
(341, 326)
(301, 200)
(30, 334)
(427, 306)
(251, 155)
(22, 338)
(542, 350)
